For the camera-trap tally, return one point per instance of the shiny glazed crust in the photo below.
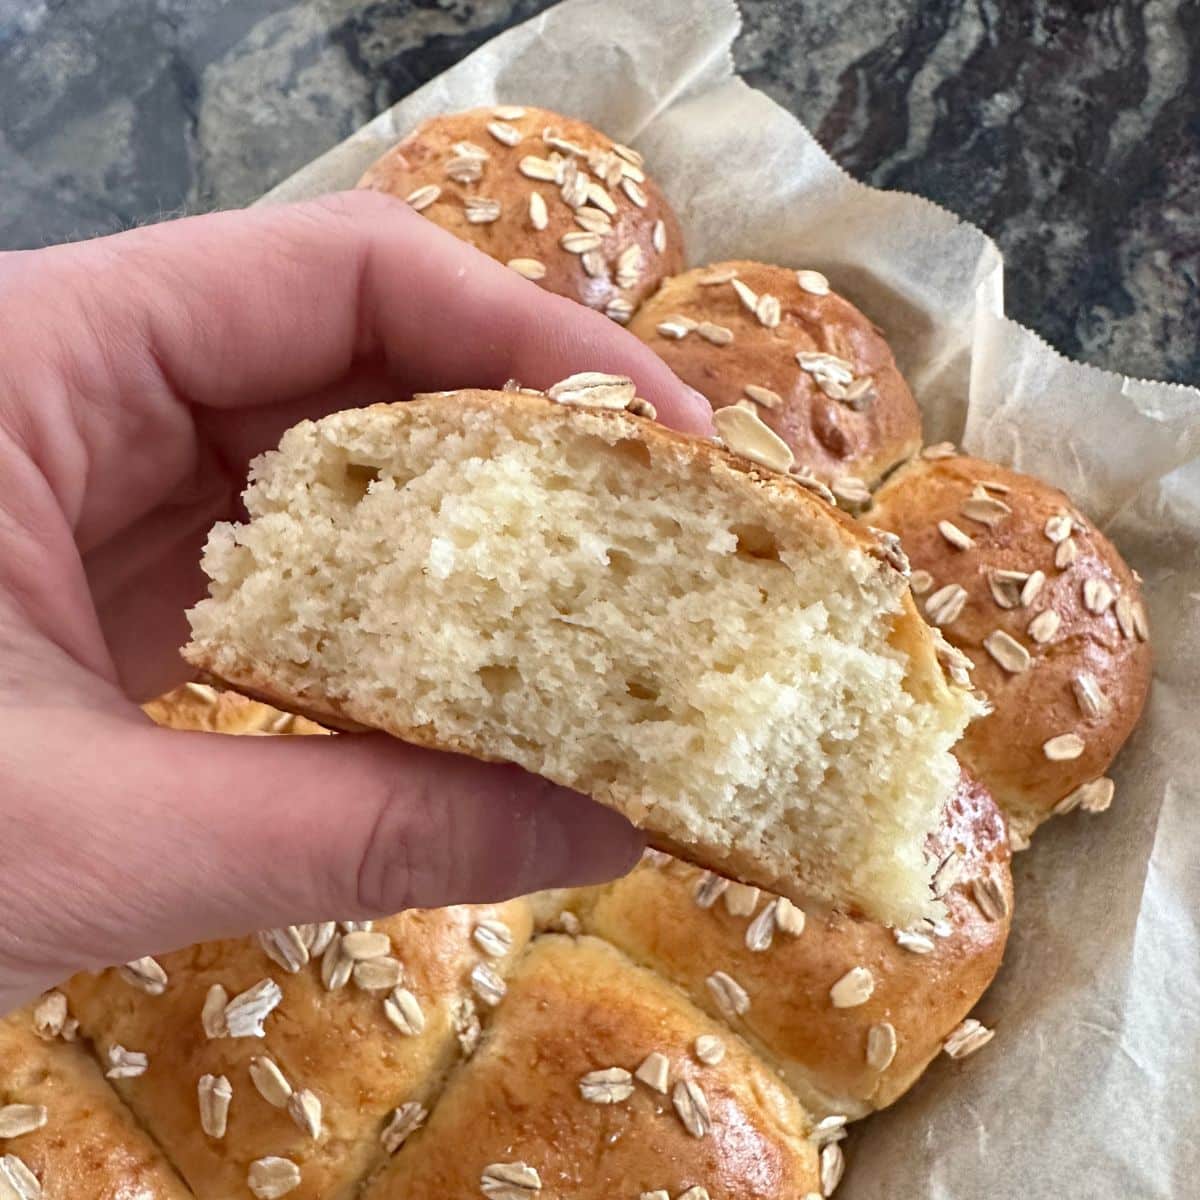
(421, 159)
(570, 1008)
(819, 1049)
(575, 1007)
(90, 1146)
(833, 438)
(339, 1044)
(1006, 749)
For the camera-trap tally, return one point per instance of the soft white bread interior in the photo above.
(643, 616)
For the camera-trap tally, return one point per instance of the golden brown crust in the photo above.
(421, 161)
(201, 708)
(1006, 749)
(577, 1007)
(786, 506)
(90, 1145)
(835, 438)
(821, 1050)
(340, 1044)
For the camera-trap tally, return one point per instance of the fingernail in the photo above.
(701, 410)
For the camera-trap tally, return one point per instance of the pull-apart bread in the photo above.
(64, 1133)
(609, 1097)
(709, 1040)
(293, 1062)
(848, 1011)
(646, 617)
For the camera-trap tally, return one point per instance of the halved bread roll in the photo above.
(646, 617)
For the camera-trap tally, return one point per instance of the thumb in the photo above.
(154, 838)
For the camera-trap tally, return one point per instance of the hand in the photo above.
(139, 375)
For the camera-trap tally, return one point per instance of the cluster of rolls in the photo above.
(673, 1035)
(1021, 583)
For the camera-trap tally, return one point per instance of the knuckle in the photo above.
(351, 206)
(409, 858)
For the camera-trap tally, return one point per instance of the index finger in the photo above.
(236, 325)
(273, 304)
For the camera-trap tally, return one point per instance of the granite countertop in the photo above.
(1068, 129)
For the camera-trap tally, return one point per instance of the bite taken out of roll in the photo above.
(646, 617)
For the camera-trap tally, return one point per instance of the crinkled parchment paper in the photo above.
(1091, 1087)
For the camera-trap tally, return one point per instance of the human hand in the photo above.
(140, 374)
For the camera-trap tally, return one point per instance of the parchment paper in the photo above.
(1090, 1088)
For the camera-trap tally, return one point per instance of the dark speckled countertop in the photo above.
(1068, 129)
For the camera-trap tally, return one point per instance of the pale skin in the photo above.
(139, 375)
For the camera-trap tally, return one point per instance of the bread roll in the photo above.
(555, 199)
(1048, 612)
(554, 1102)
(642, 616)
(780, 971)
(351, 1056)
(80, 1141)
(805, 359)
